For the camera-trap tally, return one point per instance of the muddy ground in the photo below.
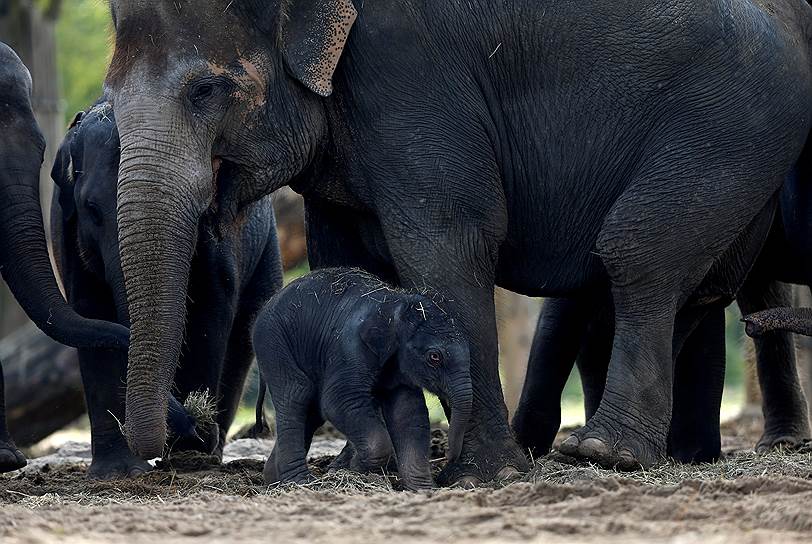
(745, 498)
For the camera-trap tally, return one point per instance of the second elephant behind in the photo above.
(236, 269)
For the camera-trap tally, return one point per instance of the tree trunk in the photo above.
(289, 210)
(31, 34)
(516, 317)
(43, 385)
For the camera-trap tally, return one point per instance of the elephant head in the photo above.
(24, 260)
(218, 103)
(430, 352)
(86, 172)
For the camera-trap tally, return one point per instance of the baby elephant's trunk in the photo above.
(460, 396)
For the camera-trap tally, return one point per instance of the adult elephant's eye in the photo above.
(434, 357)
(201, 92)
(209, 92)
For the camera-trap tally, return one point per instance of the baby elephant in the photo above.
(235, 270)
(338, 344)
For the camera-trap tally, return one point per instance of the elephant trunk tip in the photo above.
(147, 447)
(146, 433)
(797, 320)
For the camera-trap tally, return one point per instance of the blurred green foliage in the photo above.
(84, 48)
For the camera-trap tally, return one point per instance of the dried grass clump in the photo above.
(560, 469)
(203, 407)
(338, 482)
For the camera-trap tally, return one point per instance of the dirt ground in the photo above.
(745, 498)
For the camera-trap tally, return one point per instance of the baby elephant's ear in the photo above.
(63, 175)
(379, 334)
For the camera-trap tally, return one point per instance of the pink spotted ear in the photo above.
(313, 36)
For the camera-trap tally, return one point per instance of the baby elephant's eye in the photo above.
(434, 357)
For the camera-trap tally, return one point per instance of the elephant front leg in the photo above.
(11, 458)
(103, 377)
(559, 333)
(465, 278)
(358, 417)
(699, 379)
(407, 420)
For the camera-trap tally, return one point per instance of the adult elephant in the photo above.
(24, 260)
(542, 146)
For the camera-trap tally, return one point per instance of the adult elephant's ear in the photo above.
(313, 34)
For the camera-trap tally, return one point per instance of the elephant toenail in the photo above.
(467, 482)
(594, 448)
(507, 474)
(570, 445)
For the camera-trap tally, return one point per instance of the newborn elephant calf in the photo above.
(341, 345)
(236, 269)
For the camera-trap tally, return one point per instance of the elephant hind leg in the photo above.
(296, 422)
(659, 241)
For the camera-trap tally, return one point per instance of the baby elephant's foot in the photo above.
(416, 478)
(615, 444)
(11, 458)
(376, 457)
(272, 475)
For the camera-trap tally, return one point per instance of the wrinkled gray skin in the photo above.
(24, 260)
(340, 345)
(234, 273)
(540, 145)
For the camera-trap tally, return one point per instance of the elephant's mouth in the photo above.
(226, 174)
(216, 163)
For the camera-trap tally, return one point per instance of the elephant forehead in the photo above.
(163, 34)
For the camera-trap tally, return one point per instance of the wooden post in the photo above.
(516, 317)
(43, 384)
(30, 32)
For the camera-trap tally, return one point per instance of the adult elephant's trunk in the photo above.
(164, 187)
(26, 267)
(460, 397)
(797, 320)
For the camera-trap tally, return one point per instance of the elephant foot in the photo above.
(789, 430)
(10, 457)
(606, 444)
(270, 474)
(117, 467)
(486, 456)
(787, 437)
(535, 430)
(415, 483)
(692, 453)
(383, 457)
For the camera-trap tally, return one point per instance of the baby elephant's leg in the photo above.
(359, 419)
(407, 419)
(296, 421)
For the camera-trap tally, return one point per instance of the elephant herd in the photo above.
(641, 163)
